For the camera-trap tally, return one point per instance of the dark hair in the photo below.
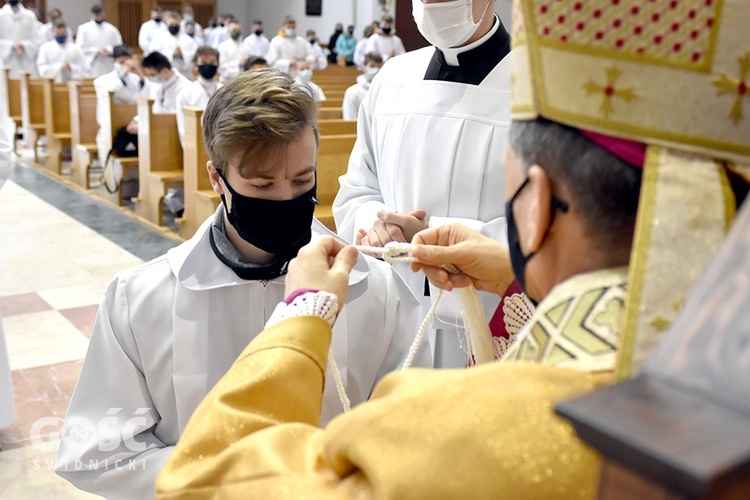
(252, 61)
(59, 23)
(97, 9)
(157, 8)
(373, 57)
(120, 51)
(604, 190)
(205, 50)
(156, 61)
(257, 21)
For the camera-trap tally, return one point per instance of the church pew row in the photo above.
(119, 115)
(57, 126)
(333, 158)
(83, 129)
(159, 160)
(10, 90)
(32, 110)
(332, 103)
(198, 207)
(337, 127)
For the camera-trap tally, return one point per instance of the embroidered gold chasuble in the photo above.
(482, 432)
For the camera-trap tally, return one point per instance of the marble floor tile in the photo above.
(30, 409)
(11, 283)
(42, 338)
(28, 473)
(82, 318)
(22, 304)
(74, 296)
(54, 384)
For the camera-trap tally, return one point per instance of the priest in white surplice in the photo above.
(96, 39)
(233, 53)
(19, 38)
(197, 93)
(151, 28)
(177, 46)
(287, 48)
(59, 58)
(431, 137)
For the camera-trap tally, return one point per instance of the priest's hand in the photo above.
(18, 49)
(178, 53)
(322, 265)
(103, 52)
(65, 66)
(483, 262)
(393, 226)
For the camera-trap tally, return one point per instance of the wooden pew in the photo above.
(10, 90)
(332, 103)
(32, 109)
(83, 129)
(337, 127)
(200, 198)
(56, 122)
(333, 158)
(159, 160)
(330, 113)
(119, 116)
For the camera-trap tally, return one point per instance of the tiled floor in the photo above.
(58, 251)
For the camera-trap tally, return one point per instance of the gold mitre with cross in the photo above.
(673, 74)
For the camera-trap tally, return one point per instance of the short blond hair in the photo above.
(254, 117)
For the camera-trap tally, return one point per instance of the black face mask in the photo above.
(339, 30)
(312, 41)
(258, 32)
(235, 35)
(98, 21)
(174, 29)
(274, 226)
(207, 71)
(517, 259)
(13, 3)
(386, 31)
(157, 20)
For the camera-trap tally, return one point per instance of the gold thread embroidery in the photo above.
(726, 84)
(609, 90)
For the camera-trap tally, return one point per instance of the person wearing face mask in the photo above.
(233, 53)
(385, 41)
(361, 50)
(164, 82)
(128, 82)
(287, 47)
(334, 54)
(167, 330)
(317, 57)
(304, 75)
(442, 115)
(59, 58)
(573, 197)
(19, 39)
(197, 93)
(221, 33)
(176, 45)
(150, 28)
(45, 32)
(345, 47)
(188, 16)
(96, 39)
(355, 94)
(257, 44)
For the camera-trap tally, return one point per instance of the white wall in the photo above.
(75, 12)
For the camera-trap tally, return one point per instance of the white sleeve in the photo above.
(108, 446)
(79, 65)
(180, 115)
(46, 67)
(143, 39)
(359, 198)
(274, 58)
(399, 49)
(350, 107)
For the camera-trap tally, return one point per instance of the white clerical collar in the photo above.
(451, 54)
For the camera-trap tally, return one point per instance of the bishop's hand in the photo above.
(393, 226)
(483, 262)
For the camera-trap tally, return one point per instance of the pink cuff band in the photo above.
(297, 293)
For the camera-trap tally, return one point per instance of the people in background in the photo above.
(175, 44)
(385, 41)
(256, 42)
(361, 50)
(166, 83)
(287, 47)
(317, 56)
(304, 75)
(233, 53)
(334, 54)
(19, 39)
(188, 16)
(150, 28)
(128, 82)
(255, 62)
(197, 93)
(221, 32)
(45, 32)
(96, 39)
(355, 94)
(59, 58)
(213, 23)
(346, 44)
(167, 330)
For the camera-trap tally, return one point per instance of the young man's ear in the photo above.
(539, 209)
(214, 177)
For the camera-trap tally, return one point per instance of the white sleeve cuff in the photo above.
(321, 304)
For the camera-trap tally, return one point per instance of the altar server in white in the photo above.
(96, 40)
(256, 42)
(288, 47)
(19, 39)
(165, 82)
(431, 137)
(168, 330)
(233, 53)
(176, 45)
(385, 41)
(150, 28)
(197, 93)
(60, 58)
